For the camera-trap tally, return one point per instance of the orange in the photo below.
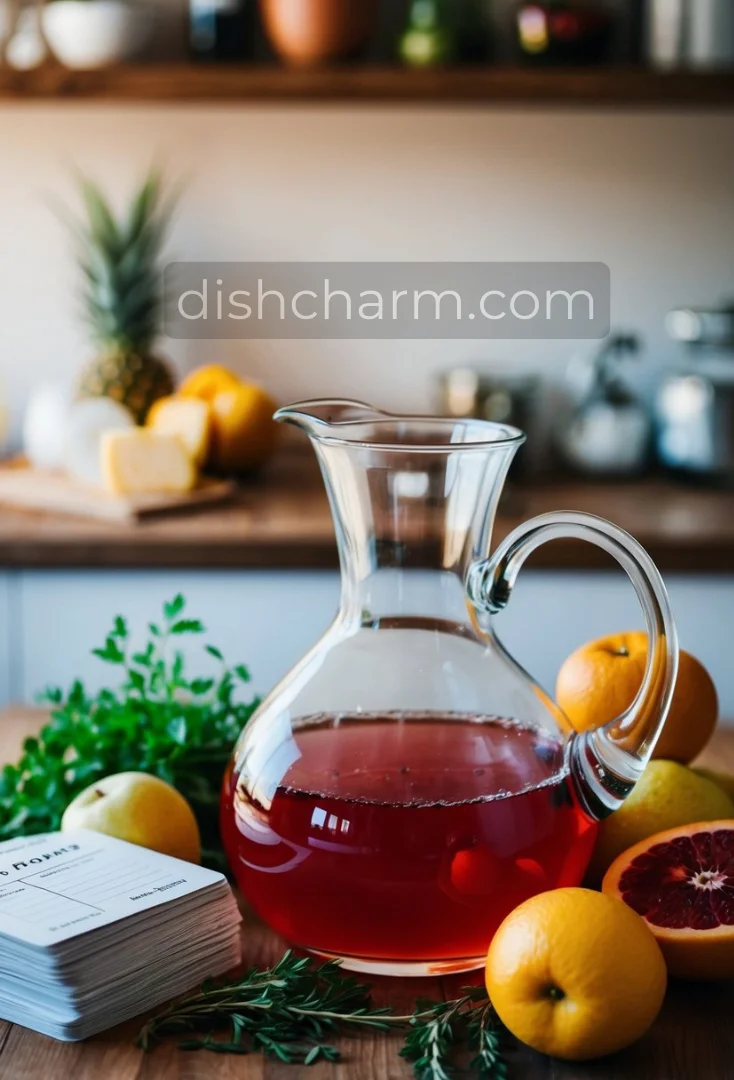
(205, 382)
(682, 884)
(245, 433)
(600, 680)
(575, 974)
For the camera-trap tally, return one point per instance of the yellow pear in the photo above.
(141, 809)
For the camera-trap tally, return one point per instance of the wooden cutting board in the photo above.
(38, 489)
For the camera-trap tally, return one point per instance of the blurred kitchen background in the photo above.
(483, 130)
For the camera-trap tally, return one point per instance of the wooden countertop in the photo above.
(282, 521)
(693, 1038)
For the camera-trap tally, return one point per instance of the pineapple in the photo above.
(122, 300)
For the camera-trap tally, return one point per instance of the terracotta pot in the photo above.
(308, 32)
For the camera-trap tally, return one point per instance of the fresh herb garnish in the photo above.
(439, 1029)
(483, 1037)
(293, 1010)
(157, 721)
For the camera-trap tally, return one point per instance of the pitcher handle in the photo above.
(606, 763)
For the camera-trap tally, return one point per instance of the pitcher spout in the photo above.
(318, 416)
(342, 420)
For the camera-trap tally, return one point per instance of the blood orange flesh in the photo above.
(682, 883)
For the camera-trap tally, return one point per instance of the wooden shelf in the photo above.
(492, 86)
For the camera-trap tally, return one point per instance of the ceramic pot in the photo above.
(95, 33)
(310, 32)
(25, 47)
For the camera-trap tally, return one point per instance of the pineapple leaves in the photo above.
(119, 261)
(102, 228)
(143, 207)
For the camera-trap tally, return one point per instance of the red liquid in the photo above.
(405, 838)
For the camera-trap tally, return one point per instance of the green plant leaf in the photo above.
(111, 653)
(187, 626)
(174, 607)
(201, 686)
(157, 721)
(137, 682)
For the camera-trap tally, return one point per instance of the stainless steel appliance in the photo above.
(695, 405)
(605, 429)
(701, 326)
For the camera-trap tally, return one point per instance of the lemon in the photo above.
(666, 796)
(141, 809)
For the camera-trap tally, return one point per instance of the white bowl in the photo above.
(95, 33)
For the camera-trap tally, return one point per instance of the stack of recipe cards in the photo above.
(94, 931)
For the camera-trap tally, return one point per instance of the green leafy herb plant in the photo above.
(158, 720)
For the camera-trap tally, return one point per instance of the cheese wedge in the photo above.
(140, 461)
(188, 417)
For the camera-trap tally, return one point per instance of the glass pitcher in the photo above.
(408, 784)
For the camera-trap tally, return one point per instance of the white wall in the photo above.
(651, 195)
(268, 620)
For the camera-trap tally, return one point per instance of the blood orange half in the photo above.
(682, 883)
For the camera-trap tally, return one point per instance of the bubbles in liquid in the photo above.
(423, 758)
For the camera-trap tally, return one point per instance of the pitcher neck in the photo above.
(410, 524)
(421, 598)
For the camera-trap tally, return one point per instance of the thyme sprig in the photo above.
(292, 1011)
(439, 1029)
(484, 1037)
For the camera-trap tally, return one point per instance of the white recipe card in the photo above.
(56, 886)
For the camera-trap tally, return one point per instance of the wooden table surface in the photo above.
(282, 521)
(693, 1038)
